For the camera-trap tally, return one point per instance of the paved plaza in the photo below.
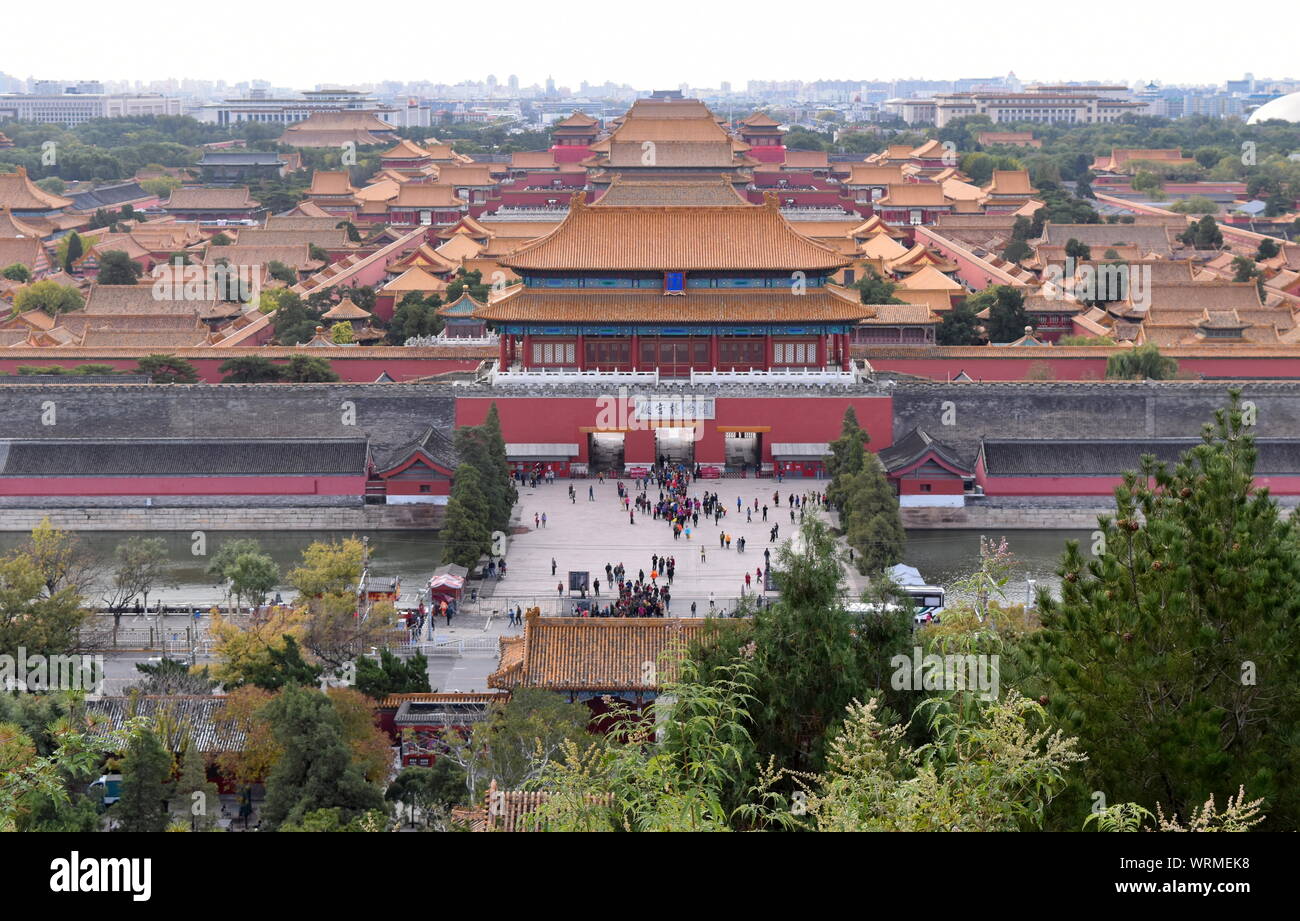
(586, 534)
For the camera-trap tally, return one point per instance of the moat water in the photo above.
(942, 556)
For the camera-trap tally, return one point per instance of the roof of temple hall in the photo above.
(593, 654)
(684, 192)
(702, 305)
(642, 239)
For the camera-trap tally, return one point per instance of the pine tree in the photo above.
(146, 769)
(391, 675)
(316, 770)
(465, 527)
(1172, 654)
(201, 809)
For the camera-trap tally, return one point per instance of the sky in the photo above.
(645, 43)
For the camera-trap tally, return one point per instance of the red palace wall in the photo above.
(532, 420)
(770, 153)
(185, 486)
(570, 153)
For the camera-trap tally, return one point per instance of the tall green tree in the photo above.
(872, 289)
(484, 448)
(959, 326)
(861, 493)
(117, 268)
(466, 526)
(316, 770)
(1007, 317)
(192, 794)
(75, 250)
(1171, 654)
(146, 771)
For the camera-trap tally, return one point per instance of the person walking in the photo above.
(559, 589)
(552, 565)
(591, 493)
(712, 606)
(747, 580)
(596, 586)
(543, 519)
(702, 557)
(537, 520)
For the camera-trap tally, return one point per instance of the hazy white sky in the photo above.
(647, 43)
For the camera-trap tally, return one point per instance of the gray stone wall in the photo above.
(389, 414)
(1048, 409)
(360, 518)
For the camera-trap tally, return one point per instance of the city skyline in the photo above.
(683, 40)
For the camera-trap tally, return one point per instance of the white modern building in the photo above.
(258, 107)
(76, 108)
(1062, 104)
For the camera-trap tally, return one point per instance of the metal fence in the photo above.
(167, 640)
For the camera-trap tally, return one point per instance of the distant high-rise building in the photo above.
(514, 83)
(550, 86)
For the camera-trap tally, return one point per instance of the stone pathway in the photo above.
(588, 533)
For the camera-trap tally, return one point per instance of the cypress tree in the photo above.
(866, 502)
(465, 526)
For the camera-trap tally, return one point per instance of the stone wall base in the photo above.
(361, 518)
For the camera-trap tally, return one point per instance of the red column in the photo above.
(580, 352)
(821, 351)
(502, 361)
(767, 353)
(713, 351)
(528, 351)
(636, 352)
(846, 354)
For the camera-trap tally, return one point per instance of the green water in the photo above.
(943, 557)
(413, 555)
